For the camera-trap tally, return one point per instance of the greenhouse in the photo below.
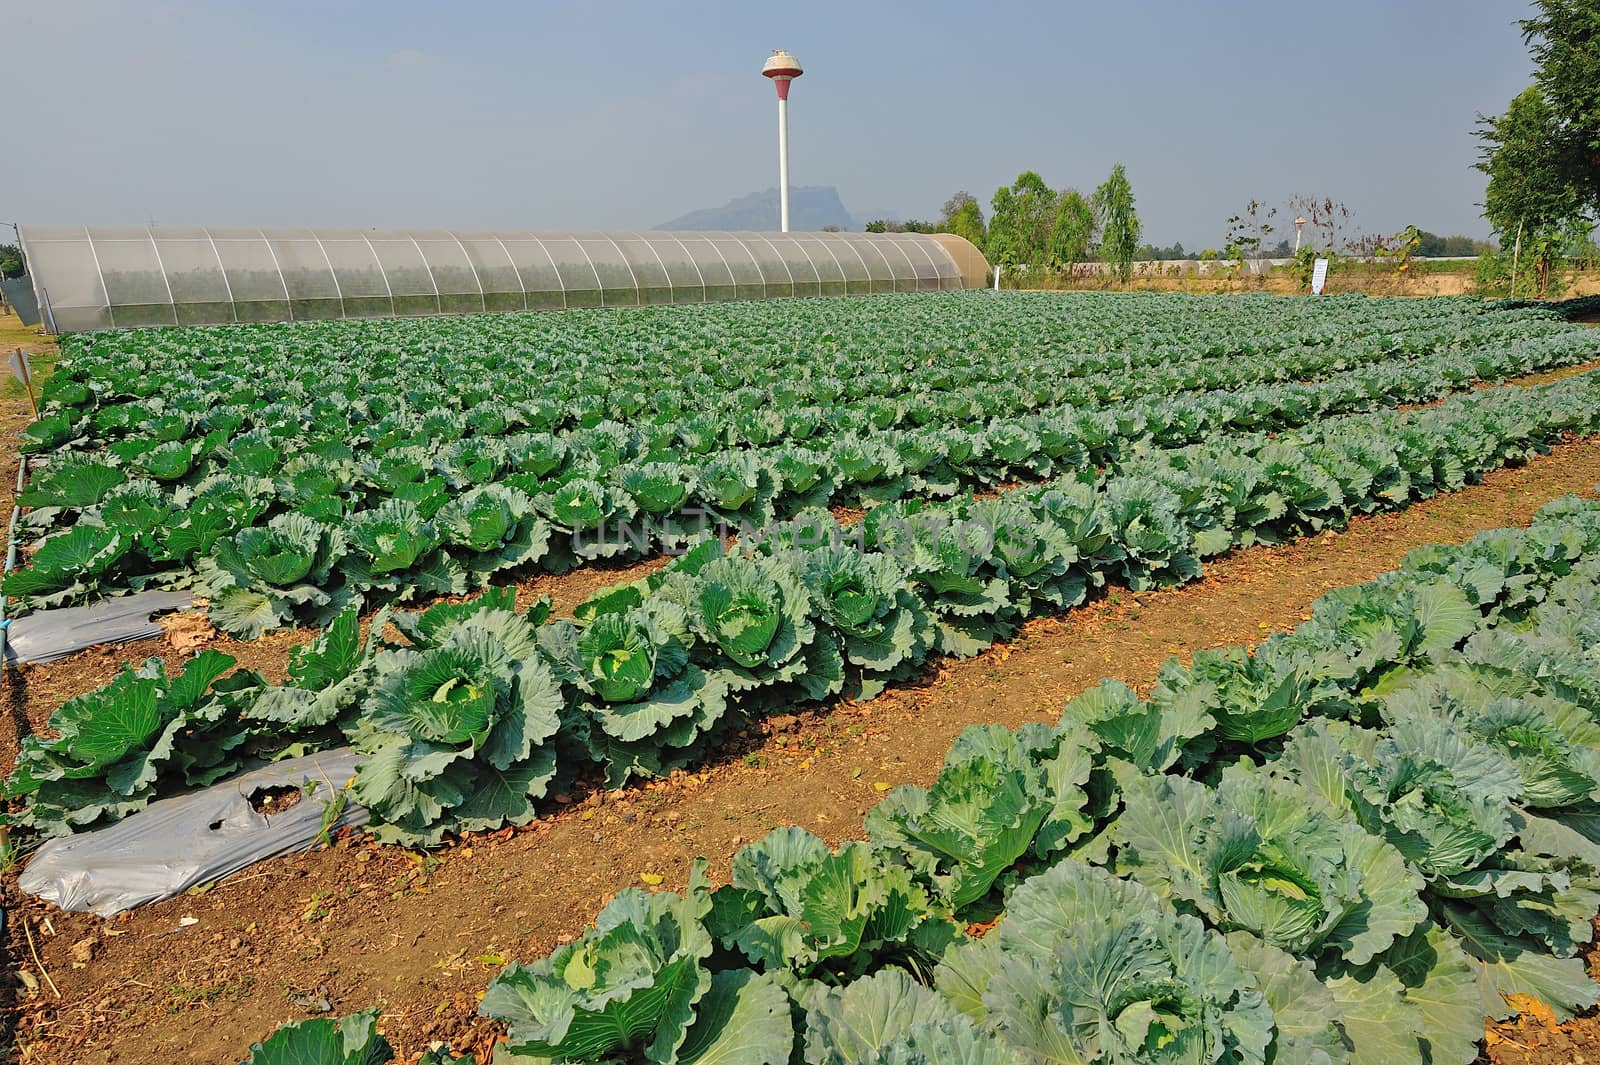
(99, 278)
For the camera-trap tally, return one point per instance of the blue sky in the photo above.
(623, 114)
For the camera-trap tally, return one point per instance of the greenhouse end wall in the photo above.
(110, 278)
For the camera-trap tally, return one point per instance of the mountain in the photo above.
(811, 207)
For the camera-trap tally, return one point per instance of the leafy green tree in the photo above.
(10, 260)
(1020, 221)
(881, 225)
(1074, 230)
(963, 217)
(1119, 222)
(1564, 39)
(1249, 229)
(1464, 246)
(1542, 156)
(1524, 188)
(1531, 199)
(1433, 246)
(1156, 253)
(999, 244)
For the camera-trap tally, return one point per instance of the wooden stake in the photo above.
(1516, 253)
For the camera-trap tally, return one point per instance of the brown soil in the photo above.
(13, 334)
(33, 692)
(1534, 1037)
(1544, 378)
(421, 935)
(359, 924)
(1462, 282)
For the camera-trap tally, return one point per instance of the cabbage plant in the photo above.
(865, 603)
(753, 617)
(626, 989)
(260, 576)
(352, 1040)
(68, 564)
(795, 906)
(890, 1019)
(492, 528)
(1254, 855)
(458, 734)
(114, 748)
(1001, 795)
(649, 708)
(1509, 884)
(1085, 967)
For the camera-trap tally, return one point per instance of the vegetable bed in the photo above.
(471, 715)
(1351, 844)
(286, 472)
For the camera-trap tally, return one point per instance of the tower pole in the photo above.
(783, 161)
(782, 68)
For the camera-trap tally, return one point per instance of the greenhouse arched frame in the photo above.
(91, 278)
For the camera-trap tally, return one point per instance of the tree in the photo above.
(10, 261)
(1020, 220)
(1326, 219)
(1156, 253)
(1465, 246)
(1074, 230)
(910, 225)
(1564, 39)
(963, 217)
(1525, 189)
(1531, 200)
(1433, 246)
(1119, 223)
(1248, 231)
(1542, 156)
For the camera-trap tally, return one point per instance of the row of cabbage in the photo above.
(710, 361)
(467, 721)
(1352, 844)
(407, 520)
(93, 405)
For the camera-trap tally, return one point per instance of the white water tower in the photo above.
(782, 68)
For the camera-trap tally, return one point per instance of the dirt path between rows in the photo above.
(36, 691)
(421, 935)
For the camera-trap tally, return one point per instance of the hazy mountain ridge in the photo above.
(811, 207)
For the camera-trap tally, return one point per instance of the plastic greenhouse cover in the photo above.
(174, 844)
(20, 298)
(98, 277)
(47, 635)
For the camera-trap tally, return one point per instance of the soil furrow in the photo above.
(421, 936)
(35, 691)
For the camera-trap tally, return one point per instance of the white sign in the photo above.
(1319, 276)
(21, 370)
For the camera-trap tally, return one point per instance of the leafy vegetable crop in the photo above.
(468, 721)
(287, 471)
(1365, 881)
